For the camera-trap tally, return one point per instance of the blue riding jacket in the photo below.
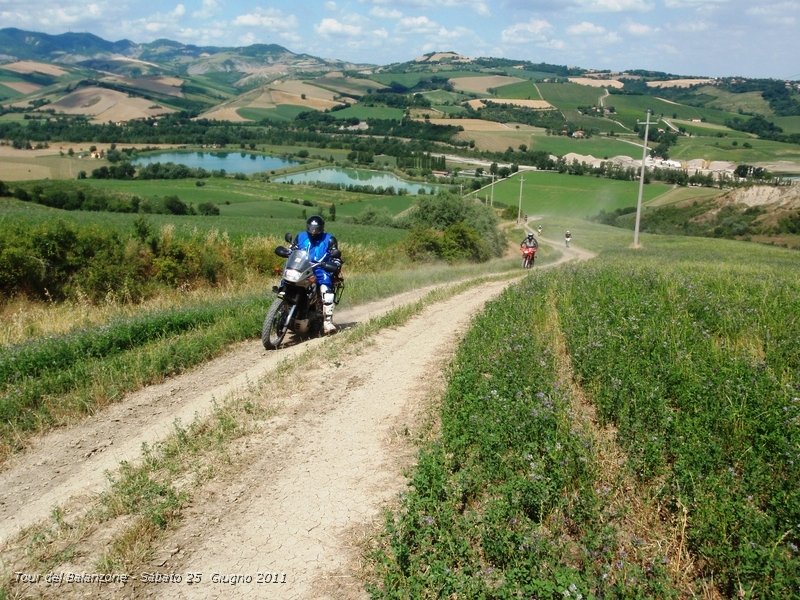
(318, 250)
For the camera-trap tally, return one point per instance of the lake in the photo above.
(357, 177)
(230, 162)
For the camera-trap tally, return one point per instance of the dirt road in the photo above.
(286, 520)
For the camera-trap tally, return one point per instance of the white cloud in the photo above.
(689, 26)
(178, 11)
(479, 6)
(554, 44)
(385, 13)
(154, 26)
(208, 9)
(524, 33)
(615, 5)
(417, 25)
(269, 18)
(638, 29)
(335, 28)
(779, 13)
(586, 28)
(693, 3)
(445, 34)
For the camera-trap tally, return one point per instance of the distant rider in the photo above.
(567, 238)
(321, 246)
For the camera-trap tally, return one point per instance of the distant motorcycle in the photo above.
(528, 257)
(297, 306)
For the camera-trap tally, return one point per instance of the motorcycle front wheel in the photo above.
(275, 325)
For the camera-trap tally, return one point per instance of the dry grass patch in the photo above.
(606, 83)
(472, 124)
(482, 85)
(31, 66)
(671, 83)
(534, 104)
(105, 105)
(23, 87)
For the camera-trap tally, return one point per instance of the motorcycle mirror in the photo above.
(282, 252)
(287, 236)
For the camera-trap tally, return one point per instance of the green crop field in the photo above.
(409, 80)
(708, 129)
(553, 194)
(244, 221)
(284, 112)
(632, 108)
(570, 95)
(523, 90)
(734, 149)
(599, 146)
(742, 103)
(788, 124)
(369, 112)
(231, 195)
(690, 354)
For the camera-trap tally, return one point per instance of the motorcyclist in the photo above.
(529, 242)
(567, 238)
(321, 246)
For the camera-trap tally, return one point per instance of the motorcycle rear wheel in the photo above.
(275, 326)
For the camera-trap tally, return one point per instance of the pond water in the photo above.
(357, 177)
(230, 162)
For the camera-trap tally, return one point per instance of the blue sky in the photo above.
(753, 38)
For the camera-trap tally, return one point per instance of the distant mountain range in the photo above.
(154, 58)
(84, 75)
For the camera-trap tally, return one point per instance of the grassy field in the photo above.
(788, 124)
(284, 112)
(241, 224)
(553, 194)
(409, 80)
(525, 90)
(599, 146)
(368, 112)
(733, 149)
(630, 109)
(689, 354)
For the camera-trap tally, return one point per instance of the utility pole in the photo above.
(491, 199)
(641, 181)
(519, 206)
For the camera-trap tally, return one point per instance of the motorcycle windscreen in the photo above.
(296, 264)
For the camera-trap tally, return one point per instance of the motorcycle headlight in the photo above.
(292, 275)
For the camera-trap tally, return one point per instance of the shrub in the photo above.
(208, 209)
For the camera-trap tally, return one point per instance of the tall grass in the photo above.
(688, 350)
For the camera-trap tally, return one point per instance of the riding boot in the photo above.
(327, 324)
(327, 311)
